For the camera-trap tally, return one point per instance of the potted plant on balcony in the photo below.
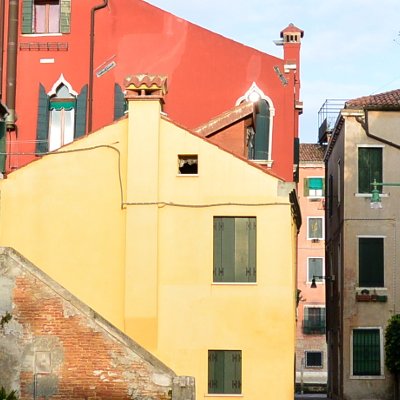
(363, 295)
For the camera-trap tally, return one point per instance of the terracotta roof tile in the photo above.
(387, 99)
(312, 152)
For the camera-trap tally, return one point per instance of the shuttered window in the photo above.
(61, 118)
(258, 146)
(369, 168)
(315, 269)
(234, 249)
(2, 146)
(366, 352)
(370, 262)
(120, 104)
(314, 187)
(225, 371)
(46, 16)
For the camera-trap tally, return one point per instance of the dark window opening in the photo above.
(314, 359)
(188, 164)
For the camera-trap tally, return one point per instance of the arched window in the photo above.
(62, 118)
(259, 140)
(61, 115)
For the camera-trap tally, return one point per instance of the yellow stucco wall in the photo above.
(148, 268)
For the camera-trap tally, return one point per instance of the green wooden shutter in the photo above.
(233, 372)
(296, 159)
(119, 102)
(369, 168)
(217, 269)
(366, 352)
(80, 118)
(65, 16)
(370, 262)
(216, 371)
(228, 249)
(27, 16)
(252, 252)
(306, 187)
(42, 129)
(261, 142)
(2, 146)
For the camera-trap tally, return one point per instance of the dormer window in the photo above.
(259, 139)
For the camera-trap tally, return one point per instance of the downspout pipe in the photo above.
(2, 23)
(12, 44)
(365, 125)
(91, 62)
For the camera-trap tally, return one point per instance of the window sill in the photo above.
(364, 377)
(234, 283)
(41, 34)
(268, 163)
(186, 175)
(370, 195)
(222, 395)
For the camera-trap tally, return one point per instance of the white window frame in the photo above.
(322, 228)
(381, 349)
(319, 281)
(253, 94)
(358, 262)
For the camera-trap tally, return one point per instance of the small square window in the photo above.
(188, 164)
(315, 229)
(314, 359)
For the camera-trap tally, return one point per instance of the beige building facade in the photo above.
(362, 245)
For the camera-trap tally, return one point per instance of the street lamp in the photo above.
(375, 196)
(327, 278)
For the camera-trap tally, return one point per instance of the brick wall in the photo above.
(55, 347)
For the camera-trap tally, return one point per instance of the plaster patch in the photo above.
(161, 379)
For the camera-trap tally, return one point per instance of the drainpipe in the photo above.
(12, 43)
(91, 61)
(2, 23)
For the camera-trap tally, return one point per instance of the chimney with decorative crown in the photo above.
(145, 95)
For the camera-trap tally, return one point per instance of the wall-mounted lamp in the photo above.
(375, 195)
(327, 278)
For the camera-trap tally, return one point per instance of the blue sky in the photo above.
(351, 48)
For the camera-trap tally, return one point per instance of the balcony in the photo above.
(313, 326)
(327, 117)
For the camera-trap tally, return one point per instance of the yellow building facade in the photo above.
(116, 219)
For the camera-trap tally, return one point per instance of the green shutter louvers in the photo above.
(42, 129)
(119, 102)
(81, 106)
(65, 16)
(27, 16)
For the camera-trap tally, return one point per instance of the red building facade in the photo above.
(64, 62)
